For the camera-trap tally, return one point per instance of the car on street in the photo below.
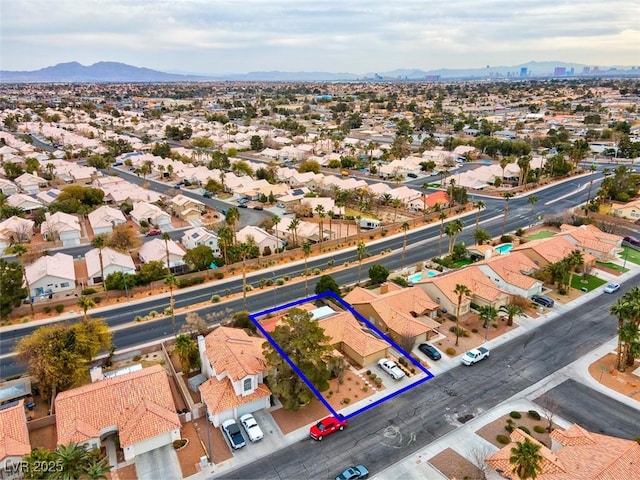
(543, 300)
(475, 355)
(412, 175)
(233, 434)
(153, 232)
(243, 205)
(391, 368)
(632, 240)
(611, 287)
(354, 473)
(430, 351)
(327, 426)
(254, 432)
(206, 194)
(258, 207)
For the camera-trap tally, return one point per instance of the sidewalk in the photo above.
(463, 439)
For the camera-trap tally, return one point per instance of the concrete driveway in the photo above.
(159, 464)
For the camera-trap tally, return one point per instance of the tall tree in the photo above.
(574, 261)
(405, 228)
(225, 241)
(171, 281)
(232, 218)
(11, 292)
(452, 230)
(306, 250)
(532, 200)
(320, 211)
(442, 217)
(166, 237)
(361, 251)
(187, 350)
(293, 228)
(511, 310)
(99, 242)
(308, 348)
(507, 196)
(244, 250)
(592, 169)
(526, 459)
(461, 291)
(479, 205)
(85, 303)
(488, 314)
(276, 220)
(20, 250)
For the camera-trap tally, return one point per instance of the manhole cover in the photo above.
(465, 418)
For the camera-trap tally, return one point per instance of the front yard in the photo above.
(589, 282)
(630, 255)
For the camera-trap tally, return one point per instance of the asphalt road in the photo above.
(390, 432)
(421, 245)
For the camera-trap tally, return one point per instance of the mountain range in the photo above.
(115, 72)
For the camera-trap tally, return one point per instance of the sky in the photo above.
(239, 36)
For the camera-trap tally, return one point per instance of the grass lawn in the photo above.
(631, 255)
(540, 234)
(612, 266)
(354, 213)
(434, 185)
(461, 263)
(592, 282)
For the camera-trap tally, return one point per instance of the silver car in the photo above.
(391, 368)
(254, 432)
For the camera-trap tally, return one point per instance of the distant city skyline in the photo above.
(232, 36)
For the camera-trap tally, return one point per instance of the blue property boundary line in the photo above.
(254, 318)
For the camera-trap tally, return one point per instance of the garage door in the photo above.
(251, 407)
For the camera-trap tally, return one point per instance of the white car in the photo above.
(611, 288)
(391, 368)
(475, 355)
(254, 432)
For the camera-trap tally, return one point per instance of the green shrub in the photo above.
(510, 426)
(188, 282)
(138, 319)
(515, 414)
(524, 429)
(316, 271)
(378, 381)
(218, 275)
(402, 361)
(368, 372)
(59, 308)
(137, 358)
(47, 309)
(153, 313)
(346, 400)
(460, 331)
(280, 282)
(97, 299)
(89, 291)
(503, 439)
(533, 414)
(506, 239)
(474, 330)
(215, 298)
(450, 351)
(248, 288)
(539, 429)
(400, 281)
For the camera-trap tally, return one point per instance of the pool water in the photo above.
(504, 248)
(416, 277)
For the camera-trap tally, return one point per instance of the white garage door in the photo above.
(251, 407)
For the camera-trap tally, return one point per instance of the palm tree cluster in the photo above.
(562, 272)
(627, 309)
(66, 461)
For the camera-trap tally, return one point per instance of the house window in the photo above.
(64, 284)
(247, 385)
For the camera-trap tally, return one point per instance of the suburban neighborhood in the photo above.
(200, 278)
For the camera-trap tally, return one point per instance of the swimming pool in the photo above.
(416, 277)
(504, 248)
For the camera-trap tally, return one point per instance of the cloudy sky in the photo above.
(236, 36)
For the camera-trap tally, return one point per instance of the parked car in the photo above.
(475, 355)
(632, 240)
(243, 205)
(207, 194)
(327, 426)
(258, 207)
(611, 288)
(354, 473)
(153, 232)
(233, 433)
(543, 300)
(391, 368)
(254, 432)
(281, 205)
(412, 175)
(430, 351)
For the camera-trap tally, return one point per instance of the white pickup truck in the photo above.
(475, 355)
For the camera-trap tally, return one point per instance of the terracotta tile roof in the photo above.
(470, 276)
(512, 269)
(584, 455)
(138, 403)
(232, 351)
(553, 249)
(359, 295)
(344, 328)
(591, 237)
(14, 435)
(219, 395)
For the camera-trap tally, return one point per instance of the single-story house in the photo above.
(511, 273)
(112, 261)
(590, 239)
(14, 441)
(186, 208)
(30, 184)
(629, 210)
(61, 226)
(261, 237)
(544, 251)
(24, 202)
(16, 230)
(137, 407)
(152, 214)
(156, 250)
(7, 187)
(104, 218)
(51, 274)
(201, 236)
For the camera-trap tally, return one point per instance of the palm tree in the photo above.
(574, 260)
(361, 250)
(442, 218)
(481, 235)
(592, 169)
(306, 250)
(507, 196)
(524, 164)
(452, 230)
(405, 227)
(244, 250)
(461, 291)
(85, 303)
(293, 228)
(73, 459)
(526, 458)
(621, 309)
(97, 469)
(504, 161)
(231, 218)
(276, 220)
(19, 250)
(533, 199)
(171, 281)
(225, 241)
(511, 310)
(320, 211)
(488, 314)
(99, 242)
(185, 348)
(479, 205)
(397, 203)
(166, 237)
